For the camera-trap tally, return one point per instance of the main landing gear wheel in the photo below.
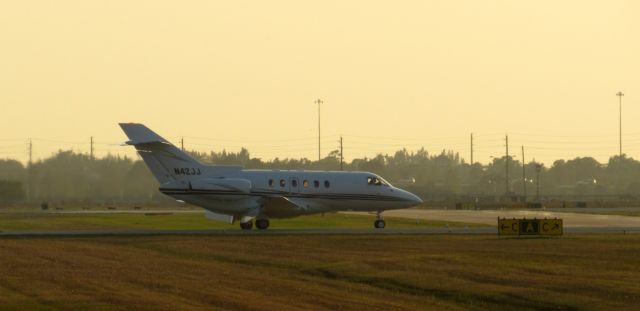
(262, 224)
(379, 223)
(246, 225)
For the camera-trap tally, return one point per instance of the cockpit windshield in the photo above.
(377, 181)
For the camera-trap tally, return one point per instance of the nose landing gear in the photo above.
(379, 223)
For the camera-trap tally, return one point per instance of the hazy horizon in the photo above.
(246, 74)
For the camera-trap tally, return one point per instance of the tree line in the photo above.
(76, 177)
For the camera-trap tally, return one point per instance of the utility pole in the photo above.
(29, 164)
(471, 148)
(538, 169)
(182, 143)
(91, 152)
(30, 152)
(620, 94)
(341, 154)
(524, 176)
(319, 101)
(507, 161)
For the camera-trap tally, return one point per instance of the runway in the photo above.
(574, 223)
(285, 232)
(571, 217)
(489, 217)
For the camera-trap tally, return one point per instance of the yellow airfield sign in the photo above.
(551, 226)
(533, 227)
(508, 227)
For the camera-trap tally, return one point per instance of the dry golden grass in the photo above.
(368, 272)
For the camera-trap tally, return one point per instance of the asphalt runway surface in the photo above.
(284, 232)
(489, 217)
(585, 218)
(240, 232)
(573, 223)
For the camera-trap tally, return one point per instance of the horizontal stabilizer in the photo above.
(140, 134)
(166, 162)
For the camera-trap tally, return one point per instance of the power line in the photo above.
(255, 140)
(58, 141)
(575, 142)
(217, 146)
(459, 138)
(568, 136)
(13, 146)
(556, 146)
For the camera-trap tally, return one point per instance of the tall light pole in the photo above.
(538, 169)
(507, 162)
(524, 177)
(620, 94)
(341, 154)
(319, 101)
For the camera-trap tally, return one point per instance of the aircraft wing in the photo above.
(286, 206)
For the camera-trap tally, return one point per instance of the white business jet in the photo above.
(230, 193)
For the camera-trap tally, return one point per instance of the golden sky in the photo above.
(227, 74)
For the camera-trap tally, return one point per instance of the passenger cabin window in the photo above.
(270, 182)
(326, 184)
(294, 183)
(283, 183)
(305, 184)
(316, 184)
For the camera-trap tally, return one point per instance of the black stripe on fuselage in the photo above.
(330, 196)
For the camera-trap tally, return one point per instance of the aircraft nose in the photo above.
(414, 199)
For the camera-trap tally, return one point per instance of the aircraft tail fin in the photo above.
(167, 162)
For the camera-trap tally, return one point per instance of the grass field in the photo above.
(58, 221)
(369, 272)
